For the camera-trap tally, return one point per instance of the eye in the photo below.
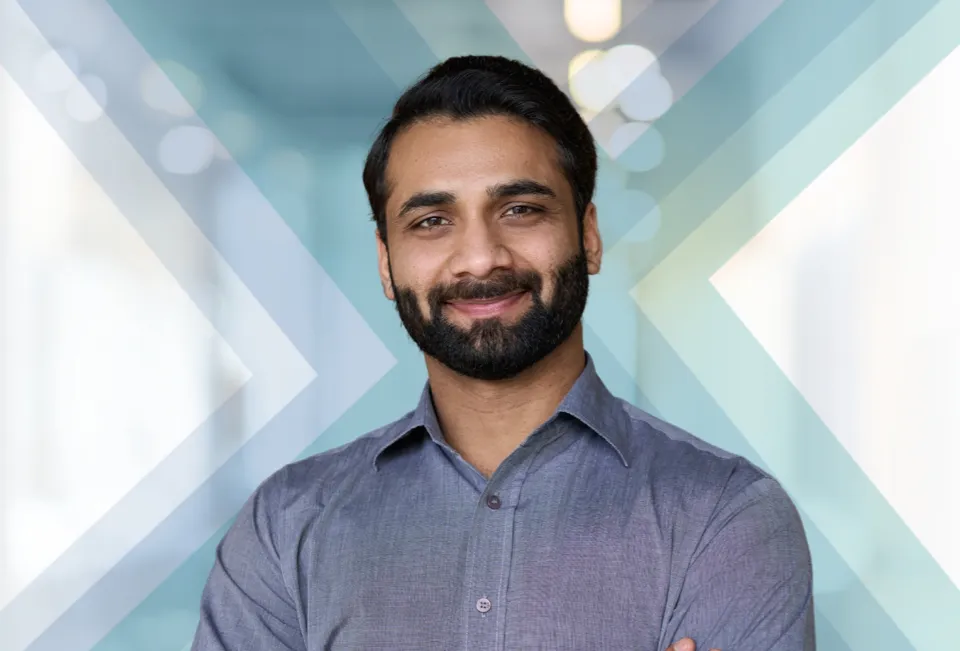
(430, 222)
(522, 210)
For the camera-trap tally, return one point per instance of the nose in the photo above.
(480, 250)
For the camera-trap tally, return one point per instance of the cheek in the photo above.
(407, 269)
(415, 278)
(546, 247)
(547, 260)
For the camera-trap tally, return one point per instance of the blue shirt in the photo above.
(606, 529)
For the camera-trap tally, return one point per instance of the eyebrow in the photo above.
(518, 188)
(426, 200)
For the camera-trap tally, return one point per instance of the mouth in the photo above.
(487, 307)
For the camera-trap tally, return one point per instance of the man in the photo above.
(520, 505)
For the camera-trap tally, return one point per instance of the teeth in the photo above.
(492, 299)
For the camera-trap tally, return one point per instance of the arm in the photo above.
(246, 603)
(749, 584)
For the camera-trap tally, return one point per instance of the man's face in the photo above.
(485, 260)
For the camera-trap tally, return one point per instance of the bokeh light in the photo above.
(87, 99)
(593, 21)
(647, 98)
(57, 70)
(186, 149)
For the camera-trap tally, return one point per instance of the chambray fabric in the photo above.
(606, 529)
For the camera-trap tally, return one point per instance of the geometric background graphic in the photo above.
(757, 280)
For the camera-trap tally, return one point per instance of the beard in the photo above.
(490, 349)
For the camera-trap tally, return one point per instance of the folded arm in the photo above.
(749, 584)
(246, 603)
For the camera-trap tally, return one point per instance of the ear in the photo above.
(592, 244)
(383, 265)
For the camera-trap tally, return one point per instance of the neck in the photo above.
(487, 420)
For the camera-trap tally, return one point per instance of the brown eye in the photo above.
(430, 222)
(522, 211)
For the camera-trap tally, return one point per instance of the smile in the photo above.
(487, 307)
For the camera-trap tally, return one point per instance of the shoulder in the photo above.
(305, 486)
(721, 504)
(670, 451)
(720, 482)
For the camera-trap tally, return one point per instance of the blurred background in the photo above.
(188, 292)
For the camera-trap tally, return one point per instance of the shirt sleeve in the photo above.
(246, 605)
(749, 584)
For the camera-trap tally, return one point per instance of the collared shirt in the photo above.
(606, 529)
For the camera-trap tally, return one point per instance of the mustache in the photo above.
(479, 290)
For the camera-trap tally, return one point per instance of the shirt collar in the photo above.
(588, 400)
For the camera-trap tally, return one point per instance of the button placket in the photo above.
(490, 552)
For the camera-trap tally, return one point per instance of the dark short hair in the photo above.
(466, 87)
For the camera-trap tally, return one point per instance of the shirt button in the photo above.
(483, 604)
(493, 502)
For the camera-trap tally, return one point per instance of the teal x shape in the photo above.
(779, 109)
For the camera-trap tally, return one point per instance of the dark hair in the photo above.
(468, 87)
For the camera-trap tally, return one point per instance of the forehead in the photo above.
(466, 156)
